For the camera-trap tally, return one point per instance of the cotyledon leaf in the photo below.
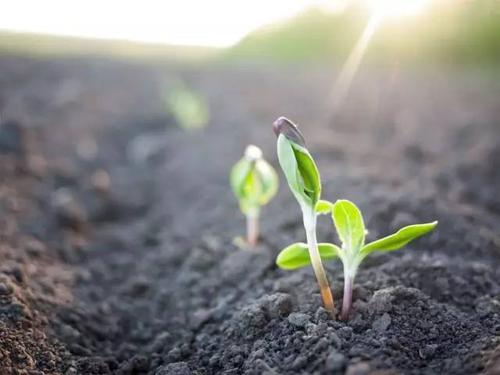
(297, 255)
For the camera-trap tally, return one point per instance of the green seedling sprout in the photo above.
(188, 107)
(304, 181)
(350, 227)
(254, 183)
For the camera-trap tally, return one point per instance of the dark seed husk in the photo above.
(286, 127)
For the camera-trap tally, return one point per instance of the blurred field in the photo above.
(58, 46)
(450, 33)
(453, 33)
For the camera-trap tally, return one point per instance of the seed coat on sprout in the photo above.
(304, 181)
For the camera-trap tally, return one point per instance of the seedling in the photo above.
(350, 227)
(254, 183)
(304, 181)
(188, 107)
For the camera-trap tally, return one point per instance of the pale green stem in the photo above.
(319, 271)
(351, 265)
(252, 228)
(347, 299)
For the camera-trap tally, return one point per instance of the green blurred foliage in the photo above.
(188, 107)
(456, 32)
(312, 34)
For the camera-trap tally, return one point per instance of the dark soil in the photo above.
(117, 226)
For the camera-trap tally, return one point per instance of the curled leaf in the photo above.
(297, 163)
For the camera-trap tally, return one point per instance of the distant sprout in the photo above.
(187, 106)
(351, 231)
(254, 183)
(304, 181)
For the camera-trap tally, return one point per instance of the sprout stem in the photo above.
(347, 299)
(252, 229)
(324, 286)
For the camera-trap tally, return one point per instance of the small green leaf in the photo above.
(239, 175)
(349, 224)
(269, 180)
(189, 107)
(398, 239)
(324, 207)
(297, 255)
(253, 181)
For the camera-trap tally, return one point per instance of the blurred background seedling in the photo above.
(254, 183)
(188, 106)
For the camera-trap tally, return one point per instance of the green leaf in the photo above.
(308, 172)
(398, 239)
(349, 224)
(253, 181)
(324, 207)
(288, 164)
(189, 108)
(300, 171)
(268, 179)
(297, 255)
(239, 176)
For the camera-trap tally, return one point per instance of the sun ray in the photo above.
(381, 9)
(351, 66)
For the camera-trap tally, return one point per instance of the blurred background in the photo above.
(348, 37)
(408, 31)
(394, 74)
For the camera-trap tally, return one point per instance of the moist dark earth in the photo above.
(117, 226)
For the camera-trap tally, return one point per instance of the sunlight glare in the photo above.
(381, 9)
(216, 23)
(351, 66)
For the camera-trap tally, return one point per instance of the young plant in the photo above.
(254, 183)
(189, 107)
(304, 181)
(350, 227)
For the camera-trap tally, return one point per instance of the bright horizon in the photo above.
(215, 23)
